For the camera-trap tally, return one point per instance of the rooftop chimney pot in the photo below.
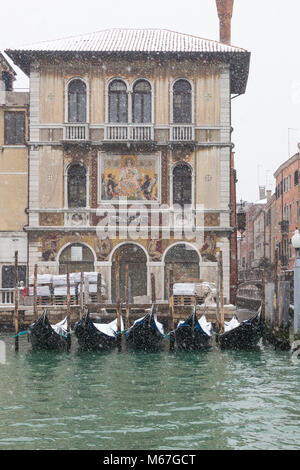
(225, 9)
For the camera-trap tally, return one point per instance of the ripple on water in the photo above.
(215, 400)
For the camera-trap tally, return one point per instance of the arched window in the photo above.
(182, 102)
(183, 261)
(77, 101)
(134, 257)
(77, 186)
(141, 102)
(182, 184)
(75, 258)
(118, 101)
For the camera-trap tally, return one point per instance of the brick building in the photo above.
(287, 196)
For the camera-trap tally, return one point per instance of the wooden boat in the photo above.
(44, 336)
(193, 334)
(146, 333)
(244, 335)
(94, 336)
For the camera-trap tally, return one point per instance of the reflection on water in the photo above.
(160, 401)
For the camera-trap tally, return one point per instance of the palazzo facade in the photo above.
(128, 127)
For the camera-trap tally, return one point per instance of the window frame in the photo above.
(108, 105)
(192, 102)
(68, 168)
(172, 203)
(15, 127)
(133, 101)
(68, 83)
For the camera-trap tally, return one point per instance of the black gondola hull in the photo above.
(42, 336)
(91, 339)
(189, 338)
(144, 335)
(244, 337)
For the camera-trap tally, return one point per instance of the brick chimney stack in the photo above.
(225, 8)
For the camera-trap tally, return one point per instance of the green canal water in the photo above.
(148, 401)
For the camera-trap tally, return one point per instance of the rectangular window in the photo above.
(14, 128)
(297, 211)
(8, 276)
(296, 178)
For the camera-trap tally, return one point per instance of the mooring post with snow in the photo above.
(119, 339)
(171, 307)
(99, 289)
(81, 306)
(16, 312)
(35, 312)
(275, 301)
(153, 292)
(68, 296)
(127, 296)
(221, 291)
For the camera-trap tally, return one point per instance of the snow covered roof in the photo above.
(132, 40)
(135, 42)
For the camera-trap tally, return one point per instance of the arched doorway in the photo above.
(183, 260)
(136, 259)
(76, 257)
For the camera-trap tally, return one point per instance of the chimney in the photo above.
(225, 8)
(262, 192)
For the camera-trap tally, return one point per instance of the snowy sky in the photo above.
(266, 119)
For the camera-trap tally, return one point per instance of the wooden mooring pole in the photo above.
(99, 289)
(221, 292)
(35, 311)
(81, 306)
(68, 298)
(153, 291)
(16, 312)
(171, 307)
(127, 296)
(119, 339)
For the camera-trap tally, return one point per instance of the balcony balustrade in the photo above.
(76, 132)
(125, 132)
(182, 133)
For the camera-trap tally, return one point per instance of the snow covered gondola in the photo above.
(193, 334)
(44, 336)
(96, 336)
(244, 335)
(146, 333)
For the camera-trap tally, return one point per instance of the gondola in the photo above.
(44, 336)
(146, 333)
(244, 335)
(193, 334)
(94, 336)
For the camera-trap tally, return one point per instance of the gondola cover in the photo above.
(193, 334)
(96, 336)
(244, 335)
(44, 336)
(147, 333)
